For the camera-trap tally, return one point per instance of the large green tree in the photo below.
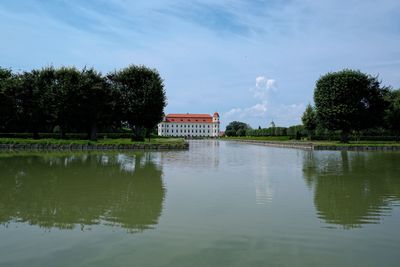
(309, 120)
(392, 114)
(236, 128)
(96, 104)
(349, 100)
(34, 109)
(66, 98)
(141, 98)
(8, 84)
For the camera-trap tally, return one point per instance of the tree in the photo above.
(309, 120)
(33, 94)
(66, 98)
(392, 113)
(349, 100)
(241, 132)
(232, 129)
(96, 104)
(8, 84)
(141, 98)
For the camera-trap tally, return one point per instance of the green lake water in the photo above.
(218, 204)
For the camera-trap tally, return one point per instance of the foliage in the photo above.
(34, 100)
(392, 115)
(141, 97)
(236, 128)
(70, 100)
(66, 99)
(8, 83)
(296, 130)
(309, 120)
(349, 100)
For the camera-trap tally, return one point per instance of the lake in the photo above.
(219, 204)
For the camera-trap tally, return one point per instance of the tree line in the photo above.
(237, 128)
(348, 103)
(68, 99)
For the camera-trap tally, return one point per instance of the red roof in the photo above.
(188, 118)
(216, 114)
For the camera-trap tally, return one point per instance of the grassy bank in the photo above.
(121, 141)
(258, 138)
(285, 139)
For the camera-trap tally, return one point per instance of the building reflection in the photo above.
(66, 191)
(352, 189)
(202, 154)
(263, 187)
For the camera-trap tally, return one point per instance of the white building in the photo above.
(190, 125)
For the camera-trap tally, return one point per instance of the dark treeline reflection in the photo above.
(352, 189)
(68, 190)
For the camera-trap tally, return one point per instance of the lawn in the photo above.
(285, 139)
(122, 141)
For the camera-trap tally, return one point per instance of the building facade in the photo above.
(189, 125)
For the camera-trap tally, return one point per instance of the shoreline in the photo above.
(322, 146)
(92, 147)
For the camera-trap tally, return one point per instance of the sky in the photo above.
(250, 60)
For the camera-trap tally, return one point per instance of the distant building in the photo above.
(190, 125)
(272, 125)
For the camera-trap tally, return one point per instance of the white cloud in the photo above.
(258, 110)
(283, 115)
(266, 109)
(263, 87)
(263, 82)
(287, 115)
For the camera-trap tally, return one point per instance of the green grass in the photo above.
(125, 141)
(285, 139)
(355, 143)
(258, 138)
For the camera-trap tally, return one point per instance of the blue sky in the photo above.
(253, 61)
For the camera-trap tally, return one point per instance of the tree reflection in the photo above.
(65, 191)
(352, 189)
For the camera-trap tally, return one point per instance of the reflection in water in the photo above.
(202, 153)
(64, 191)
(352, 189)
(263, 187)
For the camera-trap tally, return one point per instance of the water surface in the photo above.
(218, 204)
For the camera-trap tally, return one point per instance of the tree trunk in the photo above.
(310, 135)
(137, 133)
(35, 134)
(344, 136)
(148, 134)
(93, 132)
(62, 133)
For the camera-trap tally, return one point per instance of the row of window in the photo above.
(183, 126)
(184, 131)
